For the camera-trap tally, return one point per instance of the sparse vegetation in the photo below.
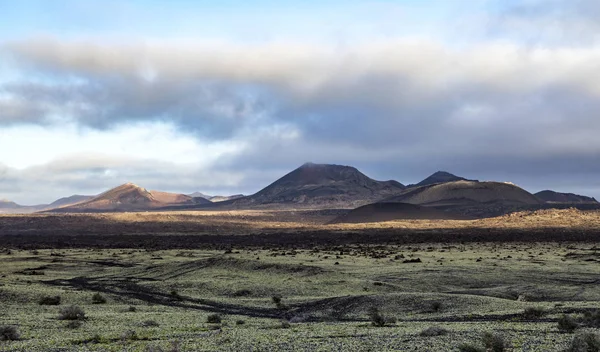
(321, 299)
(71, 313)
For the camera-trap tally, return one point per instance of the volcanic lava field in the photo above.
(265, 280)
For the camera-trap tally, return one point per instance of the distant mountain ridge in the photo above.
(216, 199)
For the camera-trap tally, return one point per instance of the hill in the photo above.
(216, 199)
(323, 185)
(548, 196)
(74, 199)
(469, 197)
(130, 197)
(10, 207)
(378, 212)
(440, 177)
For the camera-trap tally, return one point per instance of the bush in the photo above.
(149, 323)
(278, 302)
(49, 301)
(436, 306)
(213, 319)
(531, 313)
(378, 319)
(592, 319)
(493, 342)
(71, 313)
(434, 331)
(129, 335)
(73, 324)
(567, 323)
(97, 298)
(9, 333)
(586, 342)
(242, 293)
(465, 347)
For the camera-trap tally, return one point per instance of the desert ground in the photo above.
(268, 280)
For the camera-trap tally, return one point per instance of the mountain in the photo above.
(200, 195)
(322, 185)
(440, 177)
(7, 204)
(378, 212)
(548, 196)
(130, 197)
(10, 207)
(216, 199)
(469, 197)
(74, 199)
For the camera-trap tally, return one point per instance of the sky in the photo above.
(224, 97)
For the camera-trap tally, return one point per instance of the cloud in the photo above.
(399, 108)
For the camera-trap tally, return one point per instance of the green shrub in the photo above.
(242, 293)
(71, 313)
(213, 319)
(567, 323)
(466, 347)
(49, 301)
(434, 331)
(436, 306)
(592, 319)
(585, 342)
(73, 324)
(378, 319)
(9, 333)
(97, 298)
(129, 335)
(531, 313)
(149, 323)
(493, 342)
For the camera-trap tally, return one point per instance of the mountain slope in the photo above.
(74, 199)
(548, 196)
(323, 185)
(440, 177)
(130, 197)
(378, 212)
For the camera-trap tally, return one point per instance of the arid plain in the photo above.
(266, 280)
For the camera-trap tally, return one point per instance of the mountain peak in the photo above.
(441, 177)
